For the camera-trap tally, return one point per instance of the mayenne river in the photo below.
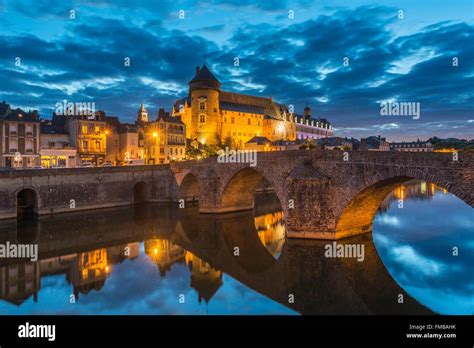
(159, 259)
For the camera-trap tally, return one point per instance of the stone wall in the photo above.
(75, 189)
(324, 194)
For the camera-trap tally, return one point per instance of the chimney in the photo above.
(197, 70)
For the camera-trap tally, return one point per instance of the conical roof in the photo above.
(204, 79)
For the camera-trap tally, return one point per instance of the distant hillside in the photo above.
(454, 143)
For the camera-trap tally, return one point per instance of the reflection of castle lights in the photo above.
(423, 187)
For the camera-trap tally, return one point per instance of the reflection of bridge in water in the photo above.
(93, 242)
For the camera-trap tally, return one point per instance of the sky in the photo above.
(343, 60)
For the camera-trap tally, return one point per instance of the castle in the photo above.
(212, 116)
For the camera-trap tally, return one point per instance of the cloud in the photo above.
(297, 63)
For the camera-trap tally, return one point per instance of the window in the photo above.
(29, 146)
(248, 121)
(97, 130)
(29, 129)
(13, 128)
(97, 145)
(232, 120)
(162, 151)
(202, 118)
(13, 145)
(202, 106)
(84, 129)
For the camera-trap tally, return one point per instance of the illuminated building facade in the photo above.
(164, 139)
(19, 137)
(211, 115)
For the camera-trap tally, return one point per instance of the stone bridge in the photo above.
(324, 194)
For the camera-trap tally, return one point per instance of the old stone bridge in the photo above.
(324, 194)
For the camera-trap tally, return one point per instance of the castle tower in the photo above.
(142, 115)
(204, 89)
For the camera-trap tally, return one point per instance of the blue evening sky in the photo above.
(296, 60)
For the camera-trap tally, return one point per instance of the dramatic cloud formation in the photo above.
(297, 60)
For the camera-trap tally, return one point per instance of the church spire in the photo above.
(142, 115)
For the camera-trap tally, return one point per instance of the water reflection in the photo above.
(154, 259)
(424, 237)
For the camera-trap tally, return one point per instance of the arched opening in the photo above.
(189, 189)
(26, 203)
(358, 214)
(140, 193)
(241, 190)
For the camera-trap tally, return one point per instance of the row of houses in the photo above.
(372, 143)
(71, 140)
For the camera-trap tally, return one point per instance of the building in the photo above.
(19, 281)
(164, 138)
(19, 137)
(414, 146)
(211, 115)
(55, 149)
(88, 136)
(336, 143)
(374, 143)
(309, 128)
(122, 141)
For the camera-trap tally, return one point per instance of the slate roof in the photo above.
(259, 140)
(21, 116)
(166, 117)
(204, 74)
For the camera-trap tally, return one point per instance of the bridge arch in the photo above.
(239, 187)
(141, 192)
(359, 207)
(189, 188)
(27, 202)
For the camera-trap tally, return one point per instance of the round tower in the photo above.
(204, 89)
